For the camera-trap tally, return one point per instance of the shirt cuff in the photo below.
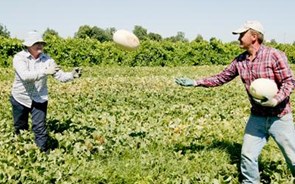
(196, 83)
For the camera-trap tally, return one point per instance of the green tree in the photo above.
(109, 32)
(93, 33)
(154, 36)
(199, 38)
(4, 32)
(140, 32)
(49, 32)
(273, 41)
(84, 32)
(100, 34)
(180, 37)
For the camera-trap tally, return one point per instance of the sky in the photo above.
(209, 18)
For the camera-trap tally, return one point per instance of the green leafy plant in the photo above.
(135, 125)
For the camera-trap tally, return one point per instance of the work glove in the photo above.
(51, 69)
(77, 72)
(266, 102)
(185, 82)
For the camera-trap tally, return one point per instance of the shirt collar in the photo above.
(244, 55)
(258, 53)
(28, 55)
(261, 48)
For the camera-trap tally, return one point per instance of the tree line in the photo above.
(94, 46)
(104, 35)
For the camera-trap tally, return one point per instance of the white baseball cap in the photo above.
(250, 24)
(32, 38)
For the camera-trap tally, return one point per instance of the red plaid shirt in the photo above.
(268, 63)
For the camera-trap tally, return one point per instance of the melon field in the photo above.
(135, 125)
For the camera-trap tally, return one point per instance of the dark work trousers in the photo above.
(21, 117)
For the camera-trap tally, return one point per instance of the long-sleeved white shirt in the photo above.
(30, 83)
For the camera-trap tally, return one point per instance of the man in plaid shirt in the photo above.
(268, 118)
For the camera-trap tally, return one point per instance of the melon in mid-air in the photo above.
(263, 88)
(126, 40)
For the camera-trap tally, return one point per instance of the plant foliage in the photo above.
(135, 125)
(152, 52)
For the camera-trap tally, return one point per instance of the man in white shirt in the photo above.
(29, 91)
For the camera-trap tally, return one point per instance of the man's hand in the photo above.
(51, 69)
(272, 102)
(77, 72)
(185, 82)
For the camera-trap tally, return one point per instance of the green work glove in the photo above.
(267, 102)
(185, 82)
(77, 72)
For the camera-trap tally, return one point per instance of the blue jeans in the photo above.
(257, 132)
(21, 117)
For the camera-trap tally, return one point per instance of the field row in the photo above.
(135, 125)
